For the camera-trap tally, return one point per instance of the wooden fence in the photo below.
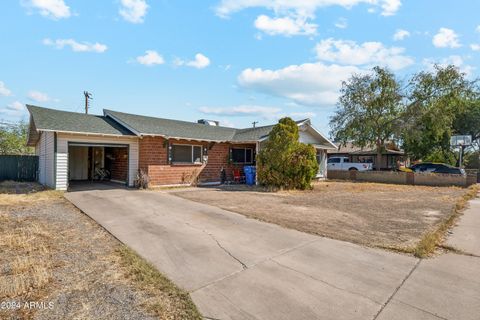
(18, 168)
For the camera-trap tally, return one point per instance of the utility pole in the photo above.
(254, 123)
(88, 97)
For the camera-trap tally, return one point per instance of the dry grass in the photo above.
(380, 215)
(29, 244)
(178, 305)
(13, 187)
(50, 251)
(25, 199)
(433, 239)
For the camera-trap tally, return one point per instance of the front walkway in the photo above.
(240, 268)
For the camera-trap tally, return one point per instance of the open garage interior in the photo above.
(97, 163)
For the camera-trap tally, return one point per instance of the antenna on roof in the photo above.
(88, 97)
(254, 123)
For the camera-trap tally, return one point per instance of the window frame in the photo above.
(192, 147)
(244, 156)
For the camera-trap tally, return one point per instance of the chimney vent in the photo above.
(209, 122)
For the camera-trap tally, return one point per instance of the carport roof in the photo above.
(44, 119)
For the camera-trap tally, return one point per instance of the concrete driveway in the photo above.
(240, 268)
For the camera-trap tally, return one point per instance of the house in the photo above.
(390, 154)
(75, 146)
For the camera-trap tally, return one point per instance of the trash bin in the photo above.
(250, 172)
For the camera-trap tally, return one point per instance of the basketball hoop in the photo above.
(461, 141)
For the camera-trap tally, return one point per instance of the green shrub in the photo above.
(284, 162)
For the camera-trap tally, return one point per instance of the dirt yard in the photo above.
(380, 215)
(56, 263)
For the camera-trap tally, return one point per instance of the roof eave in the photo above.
(88, 133)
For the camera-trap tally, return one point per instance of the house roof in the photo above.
(350, 148)
(126, 124)
(252, 134)
(145, 126)
(44, 119)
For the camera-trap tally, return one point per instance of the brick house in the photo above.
(75, 147)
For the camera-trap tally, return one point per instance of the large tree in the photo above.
(441, 103)
(13, 138)
(369, 110)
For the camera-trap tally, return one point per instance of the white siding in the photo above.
(308, 138)
(62, 154)
(45, 151)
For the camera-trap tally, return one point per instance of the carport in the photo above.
(98, 162)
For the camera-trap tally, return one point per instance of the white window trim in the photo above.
(191, 146)
(245, 156)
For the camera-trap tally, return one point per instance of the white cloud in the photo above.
(390, 7)
(242, 110)
(16, 106)
(475, 47)
(455, 60)
(314, 84)
(446, 38)
(133, 11)
(401, 34)
(201, 61)
(38, 96)
(54, 9)
(76, 46)
(287, 26)
(367, 54)
(4, 91)
(150, 58)
(341, 23)
(302, 115)
(477, 29)
(305, 8)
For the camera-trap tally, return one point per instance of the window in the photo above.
(242, 155)
(186, 153)
(333, 160)
(346, 160)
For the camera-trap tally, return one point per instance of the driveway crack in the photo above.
(396, 289)
(244, 266)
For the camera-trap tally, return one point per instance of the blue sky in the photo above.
(236, 61)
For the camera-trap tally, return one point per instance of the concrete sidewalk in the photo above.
(240, 268)
(466, 234)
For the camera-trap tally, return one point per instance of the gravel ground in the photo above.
(84, 277)
(371, 214)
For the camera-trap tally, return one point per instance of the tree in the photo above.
(440, 104)
(13, 139)
(369, 110)
(284, 162)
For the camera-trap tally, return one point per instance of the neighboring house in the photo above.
(390, 155)
(76, 146)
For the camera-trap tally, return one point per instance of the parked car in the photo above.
(343, 163)
(431, 167)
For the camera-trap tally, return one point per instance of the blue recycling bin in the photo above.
(250, 172)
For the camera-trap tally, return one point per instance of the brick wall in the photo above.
(390, 177)
(119, 164)
(153, 158)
